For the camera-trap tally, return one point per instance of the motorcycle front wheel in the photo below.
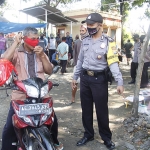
(36, 145)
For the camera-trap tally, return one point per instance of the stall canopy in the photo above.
(49, 14)
(9, 27)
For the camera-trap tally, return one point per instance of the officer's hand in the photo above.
(39, 50)
(73, 84)
(120, 89)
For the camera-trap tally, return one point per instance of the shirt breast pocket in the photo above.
(99, 55)
(85, 51)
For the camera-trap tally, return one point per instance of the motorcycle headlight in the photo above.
(44, 90)
(32, 91)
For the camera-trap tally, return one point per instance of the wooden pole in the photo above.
(139, 74)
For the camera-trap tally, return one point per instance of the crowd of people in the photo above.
(133, 53)
(93, 68)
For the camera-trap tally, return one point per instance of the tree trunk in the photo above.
(48, 2)
(139, 74)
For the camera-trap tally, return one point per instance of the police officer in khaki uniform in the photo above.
(90, 67)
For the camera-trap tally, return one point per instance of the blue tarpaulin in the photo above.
(9, 27)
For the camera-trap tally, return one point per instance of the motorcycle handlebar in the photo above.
(55, 84)
(5, 88)
(11, 86)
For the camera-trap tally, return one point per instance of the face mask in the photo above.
(92, 31)
(31, 42)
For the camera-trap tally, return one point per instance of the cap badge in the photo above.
(103, 45)
(89, 17)
(99, 56)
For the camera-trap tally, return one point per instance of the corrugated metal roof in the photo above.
(54, 15)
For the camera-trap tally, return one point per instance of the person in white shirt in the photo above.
(63, 54)
(51, 46)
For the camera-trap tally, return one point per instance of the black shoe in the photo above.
(131, 82)
(109, 144)
(143, 86)
(84, 140)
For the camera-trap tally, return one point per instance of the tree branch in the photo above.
(57, 2)
(47, 2)
(63, 1)
(142, 27)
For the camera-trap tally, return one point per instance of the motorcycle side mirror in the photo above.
(56, 69)
(9, 81)
(11, 78)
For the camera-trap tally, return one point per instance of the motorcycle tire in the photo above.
(35, 145)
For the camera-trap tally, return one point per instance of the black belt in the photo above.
(93, 73)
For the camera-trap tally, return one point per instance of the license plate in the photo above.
(33, 109)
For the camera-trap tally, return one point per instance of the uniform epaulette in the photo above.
(86, 37)
(109, 38)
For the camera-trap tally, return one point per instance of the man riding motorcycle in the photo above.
(30, 61)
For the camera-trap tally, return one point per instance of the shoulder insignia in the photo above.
(108, 38)
(86, 37)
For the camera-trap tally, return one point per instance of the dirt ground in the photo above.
(69, 117)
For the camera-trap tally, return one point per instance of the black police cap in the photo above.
(93, 18)
(135, 36)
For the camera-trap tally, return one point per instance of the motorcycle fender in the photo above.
(30, 145)
(44, 133)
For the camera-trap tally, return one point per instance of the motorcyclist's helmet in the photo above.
(6, 71)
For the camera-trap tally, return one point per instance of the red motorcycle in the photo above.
(34, 116)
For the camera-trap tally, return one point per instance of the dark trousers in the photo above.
(71, 51)
(133, 70)
(95, 89)
(9, 135)
(51, 52)
(144, 78)
(63, 64)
